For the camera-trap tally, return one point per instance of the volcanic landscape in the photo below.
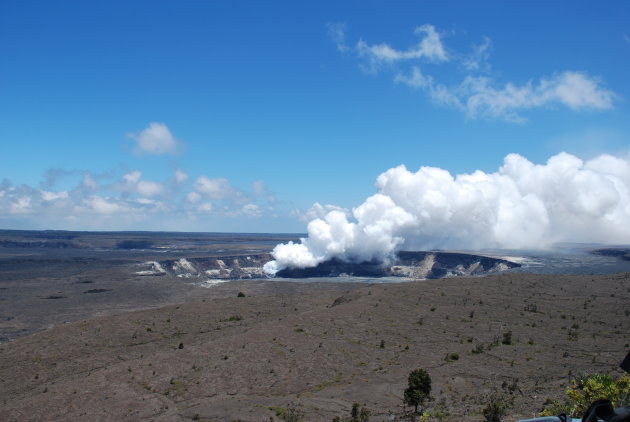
(176, 327)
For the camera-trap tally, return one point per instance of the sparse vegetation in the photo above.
(357, 414)
(287, 414)
(497, 407)
(478, 349)
(584, 390)
(233, 318)
(418, 392)
(531, 307)
(452, 357)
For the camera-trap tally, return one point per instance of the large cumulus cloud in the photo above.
(521, 205)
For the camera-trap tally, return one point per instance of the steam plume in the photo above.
(522, 205)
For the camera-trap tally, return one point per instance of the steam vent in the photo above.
(407, 264)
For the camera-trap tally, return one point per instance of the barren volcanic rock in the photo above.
(319, 347)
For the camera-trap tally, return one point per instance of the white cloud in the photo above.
(21, 205)
(259, 187)
(477, 97)
(520, 206)
(132, 183)
(482, 96)
(51, 196)
(132, 177)
(337, 33)
(156, 139)
(193, 197)
(218, 189)
(251, 210)
(577, 91)
(429, 48)
(126, 201)
(88, 182)
(147, 188)
(318, 210)
(477, 61)
(180, 176)
(101, 205)
(206, 207)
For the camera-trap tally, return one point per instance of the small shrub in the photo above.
(358, 414)
(585, 390)
(240, 294)
(554, 408)
(478, 349)
(288, 414)
(452, 357)
(497, 407)
(507, 338)
(531, 307)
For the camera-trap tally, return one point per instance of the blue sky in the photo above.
(238, 116)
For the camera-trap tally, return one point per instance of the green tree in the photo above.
(419, 390)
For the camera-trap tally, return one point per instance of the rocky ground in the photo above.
(319, 347)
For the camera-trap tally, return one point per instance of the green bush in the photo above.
(497, 407)
(585, 390)
(288, 414)
(452, 357)
(478, 349)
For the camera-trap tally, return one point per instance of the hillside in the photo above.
(319, 347)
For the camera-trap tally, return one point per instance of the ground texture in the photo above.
(320, 347)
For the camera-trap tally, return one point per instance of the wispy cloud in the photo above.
(479, 95)
(430, 48)
(180, 176)
(478, 59)
(218, 189)
(156, 139)
(123, 200)
(337, 33)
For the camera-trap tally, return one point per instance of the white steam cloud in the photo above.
(522, 205)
